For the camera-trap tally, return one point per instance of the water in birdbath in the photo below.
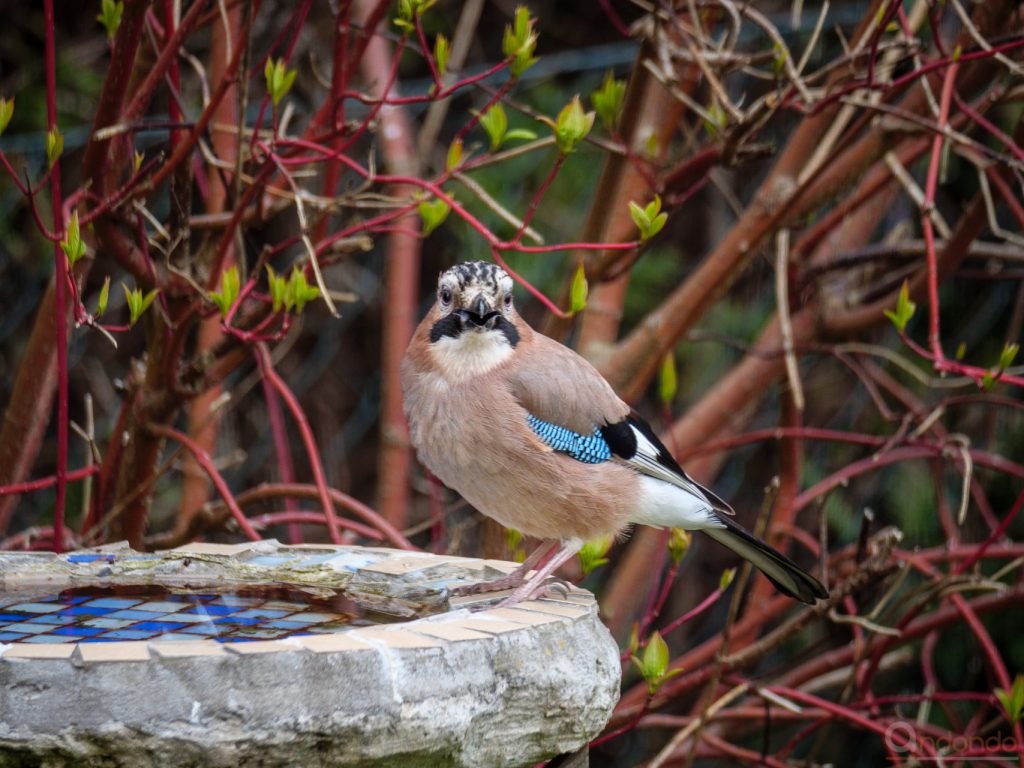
(94, 614)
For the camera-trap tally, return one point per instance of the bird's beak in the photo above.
(480, 308)
(479, 316)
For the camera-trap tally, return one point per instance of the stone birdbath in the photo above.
(261, 654)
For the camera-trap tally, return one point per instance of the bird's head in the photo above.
(475, 322)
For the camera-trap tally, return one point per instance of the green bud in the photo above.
(54, 146)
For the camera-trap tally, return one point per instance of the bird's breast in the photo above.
(474, 436)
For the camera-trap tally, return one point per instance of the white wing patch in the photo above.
(646, 461)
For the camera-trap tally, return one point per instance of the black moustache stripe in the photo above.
(452, 326)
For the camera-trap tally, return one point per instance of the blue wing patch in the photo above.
(590, 449)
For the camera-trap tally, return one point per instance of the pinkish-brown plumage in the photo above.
(531, 435)
(471, 432)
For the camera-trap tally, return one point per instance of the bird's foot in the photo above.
(549, 587)
(495, 585)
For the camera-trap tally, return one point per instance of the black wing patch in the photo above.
(634, 443)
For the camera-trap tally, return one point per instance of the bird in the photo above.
(530, 434)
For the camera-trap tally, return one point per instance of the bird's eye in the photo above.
(445, 294)
(508, 300)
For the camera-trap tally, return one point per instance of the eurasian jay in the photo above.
(530, 434)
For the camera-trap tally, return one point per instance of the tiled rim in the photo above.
(46, 570)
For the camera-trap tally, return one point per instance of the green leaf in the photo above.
(525, 134)
(101, 305)
(72, 244)
(668, 382)
(454, 156)
(1008, 355)
(961, 350)
(778, 59)
(519, 42)
(678, 544)
(138, 161)
(654, 663)
(279, 79)
(726, 578)
(513, 539)
(230, 284)
(640, 217)
(988, 380)
(278, 286)
(592, 554)
(718, 120)
(441, 51)
(649, 219)
(110, 16)
(299, 291)
(607, 100)
(578, 291)
(572, 126)
(6, 113)
(904, 309)
(433, 214)
(137, 302)
(495, 122)
(1013, 699)
(54, 146)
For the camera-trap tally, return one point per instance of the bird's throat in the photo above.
(470, 353)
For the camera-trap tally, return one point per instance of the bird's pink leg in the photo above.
(536, 585)
(513, 579)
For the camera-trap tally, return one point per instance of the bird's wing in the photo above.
(561, 388)
(633, 443)
(573, 410)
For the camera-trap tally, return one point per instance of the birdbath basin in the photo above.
(263, 654)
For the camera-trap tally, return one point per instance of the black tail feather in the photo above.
(788, 577)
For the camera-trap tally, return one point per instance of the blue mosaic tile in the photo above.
(90, 558)
(84, 610)
(202, 629)
(261, 613)
(191, 618)
(236, 621)
(108, 623)
(35, 607)
(28, 627)
(236, 639)
(178, 636)
(159, 626)
(312, 618)
(212, 610)
(281, 624)
(73, 600)
(161, 606)
(105, 615)
(113, 602)
(78, 631)
(134, 615)
(129, 634)
(100, 639)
